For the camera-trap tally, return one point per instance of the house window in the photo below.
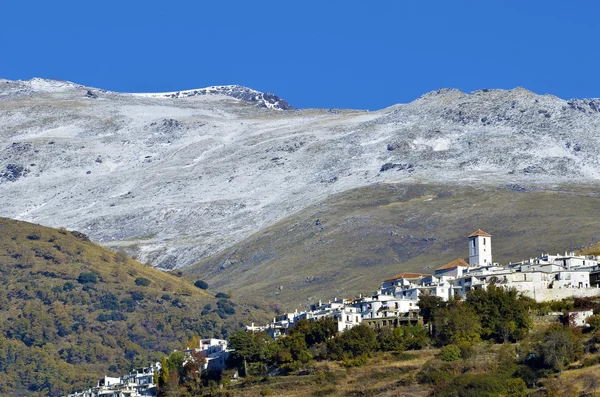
(484, 241)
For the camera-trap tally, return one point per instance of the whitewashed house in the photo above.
(214, 352)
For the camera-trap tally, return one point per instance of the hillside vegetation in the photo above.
(73, 311)
(348, 244)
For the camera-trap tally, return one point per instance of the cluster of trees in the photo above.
(493, 316)
(69, 304)
(258, 354)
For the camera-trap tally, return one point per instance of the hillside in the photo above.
(348, 244)
(174, 178)
(73, 311)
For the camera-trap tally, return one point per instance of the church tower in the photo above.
(480, 249)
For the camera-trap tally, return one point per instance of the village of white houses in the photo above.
(395, 303)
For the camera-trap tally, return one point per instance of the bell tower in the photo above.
(480, 249)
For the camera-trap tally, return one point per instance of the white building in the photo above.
(214, 352)
(138, 383)
(480, 248)
(548, 277)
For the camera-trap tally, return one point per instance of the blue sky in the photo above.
(345, 54)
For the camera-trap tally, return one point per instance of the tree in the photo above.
(457, 323)
(594, 322)
(428, 304)
(249, 347)
(314, 332)
(450, 353)
(354, 342)
(559, 347)
(503, 313)
(201, 284)
(87, 277)
(142, 282)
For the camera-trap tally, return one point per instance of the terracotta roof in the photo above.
(407, 275)
(455, 263)
(481, 233)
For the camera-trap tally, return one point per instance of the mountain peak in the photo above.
(261, 99)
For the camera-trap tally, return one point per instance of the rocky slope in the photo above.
(175, 178)
(348, 244)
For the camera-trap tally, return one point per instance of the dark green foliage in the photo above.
(222, 295)
(594, 322)
(80, 236)
(142, 282)
(402, 338)
(450, 353)
(137, 295)
(202, 284)
(69, 314)
(475, 385)
(435, 375)
(112, 316)
(456, 323)
(109, 302)
(503, 314)
(317, 331)
(87, 277)
(225, 308)
(428, 304)
(559, 347)
(353, 342)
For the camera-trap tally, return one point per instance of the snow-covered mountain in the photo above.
(178, 176)
(262, 99)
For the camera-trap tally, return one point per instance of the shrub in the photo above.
(69, 286)
(109, 302)
(353, 342)
(594, 322)
(355, 362)
(559, 347)
(121, 257)
(222, 295)
(450, 353)
(80, 236)
(479, 385)
(325, 377)
(166, 297)
(434, 376)
(142, 282)
(201, 284)
(87, 277)
(137, 296)
(112, 316)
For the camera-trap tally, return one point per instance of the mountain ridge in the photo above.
(175, 180)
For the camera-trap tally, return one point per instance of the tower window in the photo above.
(484, 241)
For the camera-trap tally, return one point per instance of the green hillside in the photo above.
(73, 311)
(348, 244)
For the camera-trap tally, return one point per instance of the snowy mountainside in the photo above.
(262, 99)
(176, 178)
